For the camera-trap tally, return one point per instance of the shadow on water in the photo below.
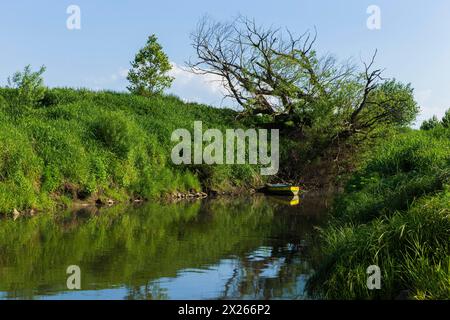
(243, 248)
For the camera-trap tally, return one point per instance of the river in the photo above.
(253, 247)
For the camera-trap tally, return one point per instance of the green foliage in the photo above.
(20, 170)
(87, 144)
(115, 132)
(142, 243)
(434, 122)
(394, 102)
(394, 213)
(285, 79)
(30, 87)
(65, 157)
(446, 119)
(429, 124)
(148, 74)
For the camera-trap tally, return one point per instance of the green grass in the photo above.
(83, 144)
(394, 213)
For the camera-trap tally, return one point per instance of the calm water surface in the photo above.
(245, 248)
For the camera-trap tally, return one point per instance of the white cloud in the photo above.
(202, 88)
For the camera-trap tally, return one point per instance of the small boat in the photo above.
(282, 189)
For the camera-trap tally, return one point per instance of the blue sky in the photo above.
(413, 42)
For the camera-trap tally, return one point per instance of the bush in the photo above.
(30, 87)
(430, 123)
(446, 119)
(116, 132)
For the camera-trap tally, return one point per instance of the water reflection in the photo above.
(245, 248)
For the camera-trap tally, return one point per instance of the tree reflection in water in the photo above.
(245, 248)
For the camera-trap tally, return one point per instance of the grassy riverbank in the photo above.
(84, 145)
(79, 144)
(394, 213)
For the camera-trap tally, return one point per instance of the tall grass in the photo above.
(394, 213)
(82, 144)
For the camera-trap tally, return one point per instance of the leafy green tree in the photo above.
(30, 86)
(149, 72)
(446, 119)
(429, 124)
(391, 102)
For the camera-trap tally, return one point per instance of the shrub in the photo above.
(430, 123)
(115, 132)
(63, 154)
(30, 86)
(446, 119)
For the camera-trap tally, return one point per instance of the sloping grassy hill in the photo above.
(394, 213)
(84, 144)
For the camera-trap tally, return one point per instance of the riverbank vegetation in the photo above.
(77, 144)
(326, 109)
(394, 213)
(58, 145)
(64, 144)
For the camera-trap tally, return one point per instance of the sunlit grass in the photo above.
(81, 144)
(395, 213)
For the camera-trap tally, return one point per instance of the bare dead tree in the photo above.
(269, 71)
